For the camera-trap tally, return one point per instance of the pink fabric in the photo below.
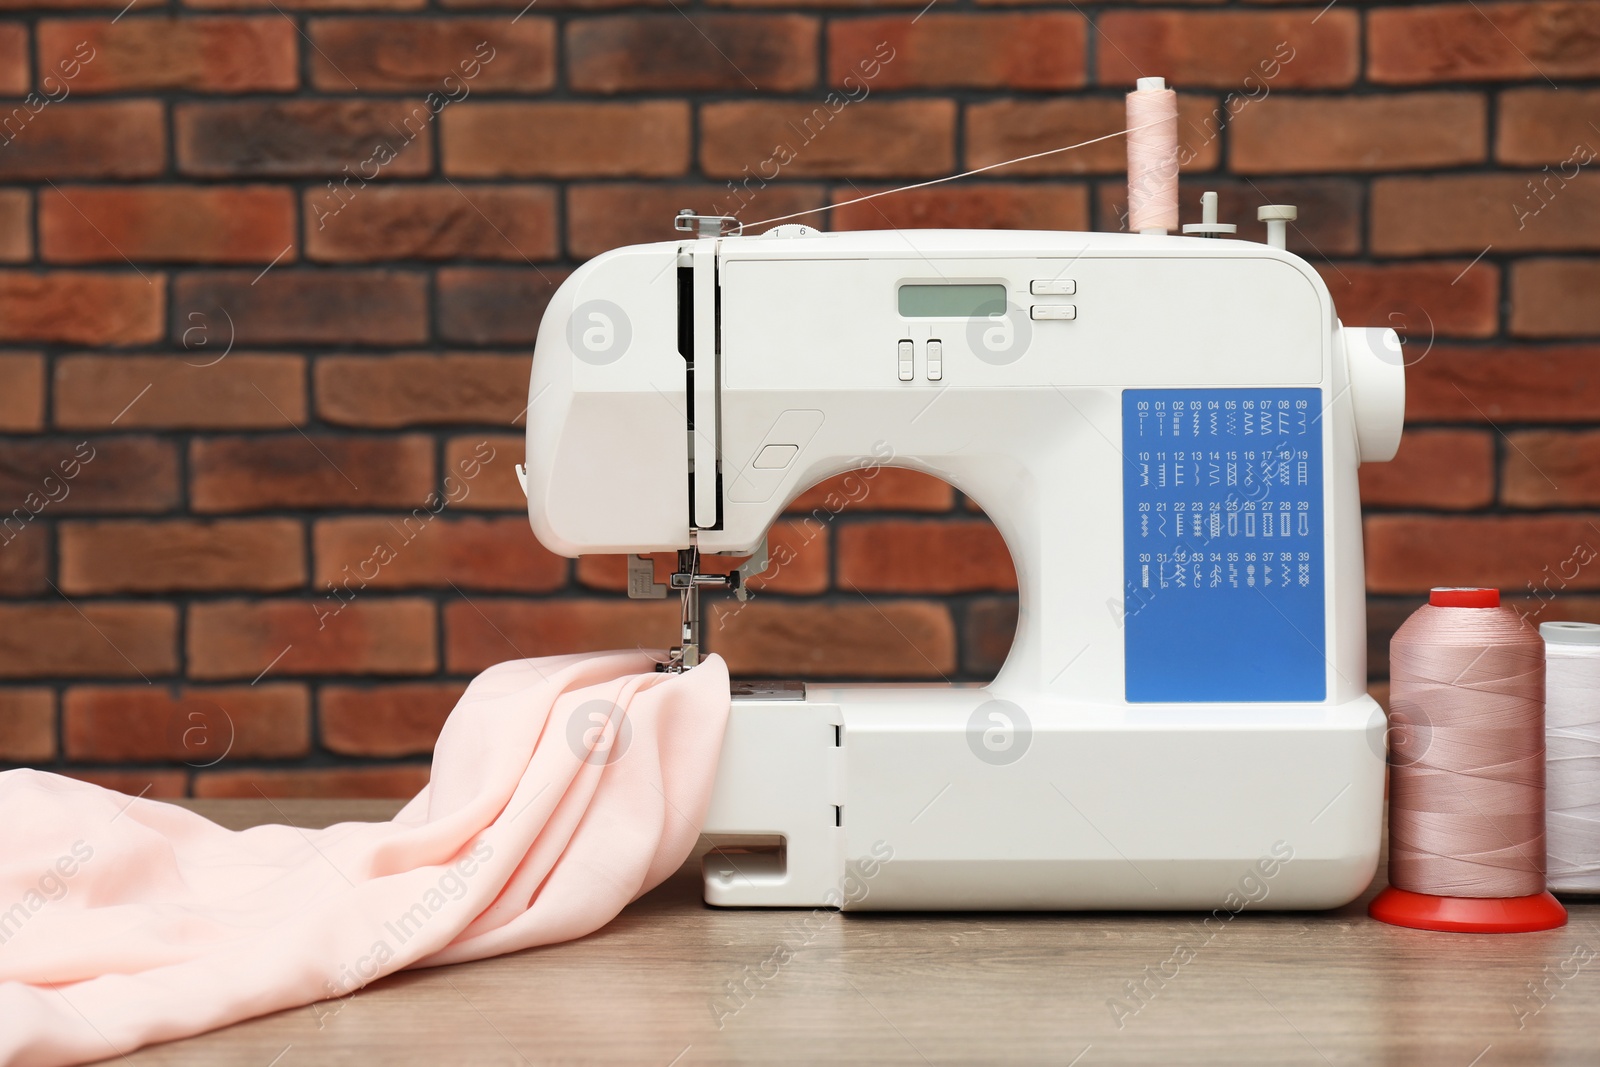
(539, 824)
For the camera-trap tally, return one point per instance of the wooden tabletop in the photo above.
(651, 988)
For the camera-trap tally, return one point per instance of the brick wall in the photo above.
(270, 271)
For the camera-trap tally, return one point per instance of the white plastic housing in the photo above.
(1115, 804)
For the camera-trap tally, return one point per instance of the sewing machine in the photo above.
(1166, 432)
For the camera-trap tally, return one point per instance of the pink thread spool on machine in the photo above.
(1467, 771)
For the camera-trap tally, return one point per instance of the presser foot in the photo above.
(688, 580)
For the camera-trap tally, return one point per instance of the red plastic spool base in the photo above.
(1463, 597)
(1468, 915)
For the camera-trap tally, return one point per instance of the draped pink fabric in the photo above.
(562, 789)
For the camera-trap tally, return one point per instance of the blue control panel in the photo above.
(1223, 561)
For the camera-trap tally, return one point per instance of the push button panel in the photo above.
(1055, 309)
(907, 360)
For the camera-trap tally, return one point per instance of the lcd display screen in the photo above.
(952, 301)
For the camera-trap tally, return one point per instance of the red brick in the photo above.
(1001, 130)
(855, 4)
(610, 215)
(14, 59)
(21, 393)
(101, 639)
(672, 52)
(853, 639)
(1422, 300)
(386, 720)
(498, 489)
(183, 224)
(1331, 209)
(1044, 50)
(148, 785)
(353, 141)
(1152, 3)
(481, 632)
(113, 139)
(198, 725)
(1483, 42)
(871, 139)
(1550, 126)
(182, 555)
(1468, 212)
(1412, 554)
(921, 556)
(16, 229)
(1396, 131)
(312, 5)
(321, 471)
(421, 389)
(59, 5)
(1272, 49)
(494, 305)
(1505, 384)
(53, 476)
(514, 6)
(797, 553)
(27, 725)
(24, 557)
(351, 307)
(989, 205)
(419, 551)
(885, 489)
(432, 222)
(398, 781)
(138, 52)
(513, 139)
(988, 629)
(453, 57)
(81, 308)
(1444, 469)
(314, 635)
(1555, 298)
(1551, 469)
(189, 391)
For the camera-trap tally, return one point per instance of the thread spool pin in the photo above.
(1277, 217)
(1208, 226)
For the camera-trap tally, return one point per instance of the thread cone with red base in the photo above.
(1470, 915)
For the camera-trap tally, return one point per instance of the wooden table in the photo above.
(1284, 988)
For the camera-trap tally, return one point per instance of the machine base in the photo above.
(942, 797)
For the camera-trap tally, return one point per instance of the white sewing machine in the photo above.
(1166, 432)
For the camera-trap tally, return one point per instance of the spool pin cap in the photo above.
(1463, 597)
(1471, 915)
(1570, 633)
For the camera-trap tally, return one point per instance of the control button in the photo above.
(935, 360)
(1054, 287)
(1054, 311)
(907, 369)
(775, 457)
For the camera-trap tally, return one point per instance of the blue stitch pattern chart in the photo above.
(1223, 560)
